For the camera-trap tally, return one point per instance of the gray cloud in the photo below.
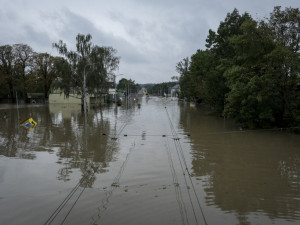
(150, 36)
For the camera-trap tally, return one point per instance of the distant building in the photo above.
(175, 90)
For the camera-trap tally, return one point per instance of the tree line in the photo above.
(249, 71)
(160, 89)
(128, 86)
(24, 71)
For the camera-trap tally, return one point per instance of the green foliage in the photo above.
(22, 70)
(63, 80)
(91, 62)
(160, 89)
(250, 70)
(45, 72)
(126, 85)
(16, 63)
(7, 61)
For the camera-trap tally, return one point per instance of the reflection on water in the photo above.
(60, 130)
(242, 177)
(245, 172)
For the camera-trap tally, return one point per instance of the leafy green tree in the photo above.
(7, 61)
(285, 27)
(93, 61)
(283, 72)
(63, 80)
(161, 89)
(263, 80)
(222, 51)
(78, 61)
(185, 81)
(202, 77)
(128, 86)
(249, 99)
(250, 70)
(24, 56)
(105, 63)
(45, 71)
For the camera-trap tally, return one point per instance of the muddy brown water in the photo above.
(160, 162)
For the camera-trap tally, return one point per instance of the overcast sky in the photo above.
(151, 36)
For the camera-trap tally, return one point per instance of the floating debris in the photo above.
(29, 123)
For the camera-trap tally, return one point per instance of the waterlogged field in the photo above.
(156, 161)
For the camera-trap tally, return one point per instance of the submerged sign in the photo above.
(29, 123)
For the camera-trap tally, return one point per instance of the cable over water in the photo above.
(83, 181)
(178, 191)
(183, 164)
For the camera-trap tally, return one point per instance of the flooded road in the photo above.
(160, 162)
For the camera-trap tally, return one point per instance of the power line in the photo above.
(182, 208)
(114, 184)
(81, 181)
(182, 157)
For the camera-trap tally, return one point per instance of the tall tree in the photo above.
(250, 99)
(89, 61)
(105, 63)
(7, 61)
(185, 81)
(250, 70)
(45, 71)
(263, 80)
(203, 78)
(128, 86)
(24, 61)
(223, 52)
(63, 80)
(285, 25)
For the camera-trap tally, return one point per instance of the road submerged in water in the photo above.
(151, 161)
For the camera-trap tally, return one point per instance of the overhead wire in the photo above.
(76, 187)
(175, 136)
(182, 158)
(114, 184)
(182, 207)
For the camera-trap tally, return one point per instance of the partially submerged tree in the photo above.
(45, 71)
(7, 63)
(24, 56)
(16, 63)
(250, 70)
(89, 61)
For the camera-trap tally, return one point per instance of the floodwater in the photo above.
(155, 161)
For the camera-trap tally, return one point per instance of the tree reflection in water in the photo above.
(62, 131)
(245, 172)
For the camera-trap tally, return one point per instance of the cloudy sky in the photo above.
(151, 36)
